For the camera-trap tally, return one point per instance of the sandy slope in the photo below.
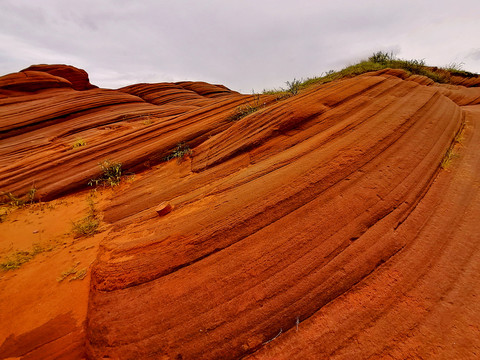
(320, 226)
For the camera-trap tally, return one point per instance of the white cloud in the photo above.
(244, 44)
(473, 54)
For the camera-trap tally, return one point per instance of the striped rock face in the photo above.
(339, 223)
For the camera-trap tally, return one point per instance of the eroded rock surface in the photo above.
(324, 221)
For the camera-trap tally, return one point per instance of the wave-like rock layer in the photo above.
(137, 126)
(320, 226)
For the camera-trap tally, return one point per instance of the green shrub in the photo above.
(85, 227)
(246, 109)
(179, 152)
(111, 174)
(242, 111)
(17, 258)
(457, 70)
(381, 57)
(88, 225)
(11, 200)
(383, 60)
(79, 143)
(293, 87)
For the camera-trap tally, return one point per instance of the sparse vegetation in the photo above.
(381, 57)
(450, 153)
(17, 258)
(80, 275)
(459, 138)
(147, 121)
(179, 152)
(246, 109)
(279, 94)
(85, 227)
(88, 225)
(447, 159)
(79, 143)
(31, 195)
(3, 213)
(13, 201)
(67, 273)
(383, 60)
(111, 174)
(77, 274)
(456, 69)
(293, 87)
(242, 111)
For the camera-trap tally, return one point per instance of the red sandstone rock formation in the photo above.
(323, 221)
(77, 77)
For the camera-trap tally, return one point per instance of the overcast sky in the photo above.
(244, 44)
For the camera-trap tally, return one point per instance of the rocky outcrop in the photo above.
(77, 77)
(321, 225)
(30, 81)
(38, 130)
(289, 208)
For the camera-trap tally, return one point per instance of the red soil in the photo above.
(320, 226)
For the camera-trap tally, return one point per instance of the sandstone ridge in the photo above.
(337, 223)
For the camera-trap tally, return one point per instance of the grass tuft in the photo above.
(147, 121)
(77, 274)
(67, 273)
(246, 109)
(242, 111)
(447, 158)
(88, 225)
(179, 152)
(13, 201)
(17, 258)
(111, 174)
(85, 227)
(456, 69)
(79, 143)
(80, 275)
(381, 57)
(383, 60)
(4, 211)
(293, 87)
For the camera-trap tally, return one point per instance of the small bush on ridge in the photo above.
(111, 174)
(179, 152)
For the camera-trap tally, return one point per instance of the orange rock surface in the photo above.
(340, 223)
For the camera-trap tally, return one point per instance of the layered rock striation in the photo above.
(322, 225)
